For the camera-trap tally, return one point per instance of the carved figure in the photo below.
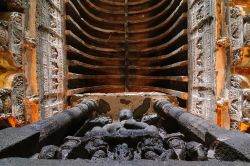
(196, 151)
(49, 152)
(127, 139)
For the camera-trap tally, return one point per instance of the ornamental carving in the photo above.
(4, 35)
(128, 139)
(18, 94)
(246, 105)
(5, 101)
(239, 34)
(12, 36)
(11, 46)
(239, 93)
(50, 57)
(201, 56)
(238, 98)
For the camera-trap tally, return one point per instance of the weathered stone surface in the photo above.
(11, 40)
(48, 152)
(23, 162)
(50, 57)
(17, 96)
(5, 101)
(54, 129)
(11, 55)
(127, 139)
(18, 142)
(25, 141)
(202, 74)
(228, 145)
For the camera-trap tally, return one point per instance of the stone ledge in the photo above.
(227, 145)
(19, 142)
(33, 162)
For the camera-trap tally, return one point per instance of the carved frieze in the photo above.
(239, 98)
(202, 58)
(52, 65)
(4, 35)
(235, 101)
(239, 31)
(53, 105)
(50, 56)
(17, 36)
(11, 37)
(239, 34)
(11, 49)
(12, 99)
(18, 94)
(236, 35)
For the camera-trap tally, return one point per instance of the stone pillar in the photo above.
(202, 75)
(11, 58)
(50, 56)
(239, 28)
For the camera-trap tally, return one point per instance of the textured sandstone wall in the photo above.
(31, 59)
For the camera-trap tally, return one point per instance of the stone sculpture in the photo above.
(127, 139)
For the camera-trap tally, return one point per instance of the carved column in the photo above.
(11, 39)
(235, 101)
(240, 66)
(202, 76)
(12, 81)
(50, 56)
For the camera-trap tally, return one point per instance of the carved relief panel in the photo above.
(238, 93)
(12, 81)
(4, 35)
(235, 101)
(50, 56)
(17, 36)
(12, 35)
(236, 34)
(201, 58)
